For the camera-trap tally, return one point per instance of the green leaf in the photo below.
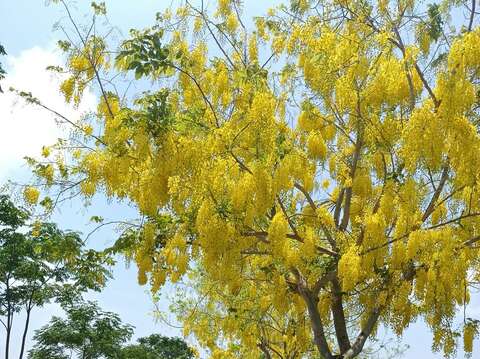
(96, 219)
(435, 21)
(99, 8)
(138, 73)
(47, 203)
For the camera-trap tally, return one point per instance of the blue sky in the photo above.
(26, 32)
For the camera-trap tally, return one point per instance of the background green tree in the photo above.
(86, 333)
(39, 264)
(157, 346)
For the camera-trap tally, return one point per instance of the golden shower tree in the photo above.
(314, 170)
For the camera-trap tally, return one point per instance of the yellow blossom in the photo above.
(31, 194)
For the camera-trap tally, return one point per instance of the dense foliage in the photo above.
(314, 169)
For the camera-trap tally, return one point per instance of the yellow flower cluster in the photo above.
(350, 268)
(31, 194)
(469, 332)
(316, 146)
(345, 161)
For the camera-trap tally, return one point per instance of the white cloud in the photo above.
(24, 128)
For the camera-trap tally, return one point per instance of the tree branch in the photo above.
(285, 214)
(205, 98)
(307, 195)
(338, 207)
(322, 282)
(472, 15)
(92, 64)
(349, 190)
(362, 337)
(339, 317)
(264, 350)
(431, 205)
(471, 241)
(206, 21)
(315, 320)
(312, 204)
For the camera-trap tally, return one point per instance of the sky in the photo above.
(26, 32)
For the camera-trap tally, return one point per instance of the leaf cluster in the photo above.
(144, 53)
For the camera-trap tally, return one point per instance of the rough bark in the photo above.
(339, 317)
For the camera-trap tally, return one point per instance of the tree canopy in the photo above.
(87, 332)
(314, 169)
(156, 346)
(39, 264)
